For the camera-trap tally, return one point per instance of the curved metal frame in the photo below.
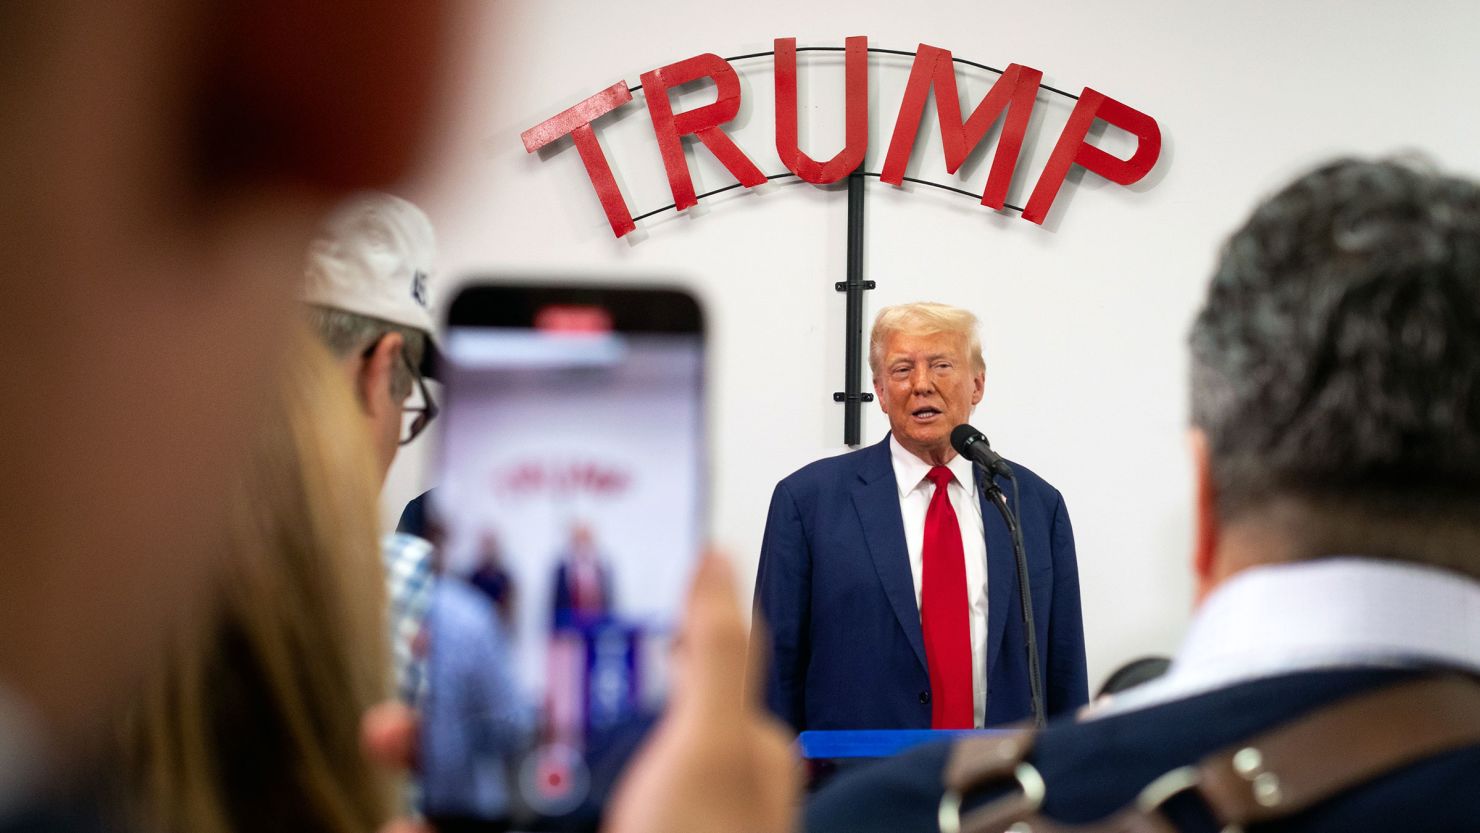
(788, 175)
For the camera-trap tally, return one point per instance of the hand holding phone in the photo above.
(718, 762)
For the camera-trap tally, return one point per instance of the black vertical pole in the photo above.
(853, 395)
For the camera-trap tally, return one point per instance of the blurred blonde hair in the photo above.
(924, 318)
(250, 721)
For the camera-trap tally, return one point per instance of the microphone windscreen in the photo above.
(963, 435)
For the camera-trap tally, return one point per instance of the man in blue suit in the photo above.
(887, 580)
(1336, 437)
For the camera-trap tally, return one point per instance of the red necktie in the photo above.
(588, 589)
(943, 611)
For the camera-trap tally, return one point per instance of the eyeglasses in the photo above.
(414, 418)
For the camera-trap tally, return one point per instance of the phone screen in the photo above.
(570, 514)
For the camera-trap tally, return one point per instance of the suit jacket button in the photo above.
(924, 697)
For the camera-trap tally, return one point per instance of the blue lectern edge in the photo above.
(875, 743)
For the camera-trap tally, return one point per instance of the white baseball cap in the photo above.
(373, 256)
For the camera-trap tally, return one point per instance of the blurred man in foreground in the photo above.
(164, 162)
(1336, 441)
(367, 284)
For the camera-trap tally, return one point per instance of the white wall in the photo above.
(1086, 317)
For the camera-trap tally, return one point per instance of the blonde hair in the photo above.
(924, 318)
(250, 721)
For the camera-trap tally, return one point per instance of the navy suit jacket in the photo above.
(414, 517)
(565, 594)
(838, 598)
(1097, 768)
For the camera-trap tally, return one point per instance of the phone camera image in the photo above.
(569, 514)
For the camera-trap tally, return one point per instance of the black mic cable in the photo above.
(973, 445)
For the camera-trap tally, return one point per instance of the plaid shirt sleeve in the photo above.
(409, 584)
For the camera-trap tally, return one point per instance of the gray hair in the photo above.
(346, 333)
(924, 318)
(1336, 362)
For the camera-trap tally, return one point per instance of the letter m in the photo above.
(1015, 92)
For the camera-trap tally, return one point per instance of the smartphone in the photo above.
(570, 512)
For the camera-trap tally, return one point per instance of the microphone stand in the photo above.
(1025, 592)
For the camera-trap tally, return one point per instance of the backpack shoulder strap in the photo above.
(1276, 774)
(1294, 767)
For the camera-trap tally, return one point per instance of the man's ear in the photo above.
(377, 371)
(1205, 521)
(979, 387)
(879, 394)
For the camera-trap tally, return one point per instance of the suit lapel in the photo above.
(1001, 571)
(876, 499)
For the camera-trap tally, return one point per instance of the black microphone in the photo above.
(972, 444)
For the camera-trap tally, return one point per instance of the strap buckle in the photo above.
(1169, 785)
(1030, 784)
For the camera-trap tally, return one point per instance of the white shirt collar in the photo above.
(1329, 613)
(910, 470)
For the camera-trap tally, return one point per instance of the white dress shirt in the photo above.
(1344, 612)
(915, 492)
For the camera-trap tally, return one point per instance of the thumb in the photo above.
(713, 676)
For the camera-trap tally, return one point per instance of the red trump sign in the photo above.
(1011, 98)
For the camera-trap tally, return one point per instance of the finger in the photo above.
(758, 661)
(783, 771)
(715, 645)
(388, 735)
(407, 826)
